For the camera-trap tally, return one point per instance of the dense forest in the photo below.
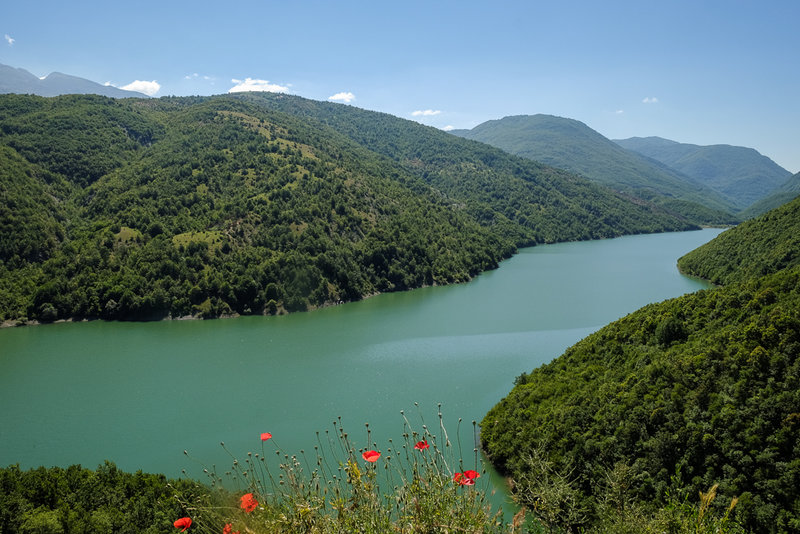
(246, 204)
(675, 398)
(756, 247)
(90, 501)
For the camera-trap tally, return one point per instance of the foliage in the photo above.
(755, 248)
(142, 209)
(546, 204)
(685, 394)
(416, 485)
(80, 500)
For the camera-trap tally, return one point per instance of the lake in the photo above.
(139, 394)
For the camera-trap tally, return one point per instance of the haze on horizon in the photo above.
(710, 73)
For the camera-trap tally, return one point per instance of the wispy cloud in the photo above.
(620, 111)
(142, 86)
(10, 40)
(345, 97)
(650, 100)
(250, 84)
(195, 76)
(425, 113)
(448, 128)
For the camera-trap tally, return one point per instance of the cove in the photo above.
(139, 394)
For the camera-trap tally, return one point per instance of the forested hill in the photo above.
(144, 208)
(570, 144)
(789, 190)
(756, 247)
(494, 186)
(672, 399)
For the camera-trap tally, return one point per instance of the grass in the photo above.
(420, 484)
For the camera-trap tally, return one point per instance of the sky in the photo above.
(700, 71)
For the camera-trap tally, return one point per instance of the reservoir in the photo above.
(139, 394)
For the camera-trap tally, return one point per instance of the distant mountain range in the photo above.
(15, 80)
(570, 144)
(714, 184)
(741, 174)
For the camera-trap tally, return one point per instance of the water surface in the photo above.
(138, 394)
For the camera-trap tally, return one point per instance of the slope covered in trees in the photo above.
(789, 190)
(538, 201)
(76, 499)
(140, 209)
(674, 398)
(754, 248)
(571, 145)
(741, 174)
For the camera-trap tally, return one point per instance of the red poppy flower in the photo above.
(469, 473)
(184, 522)
(265, 436)
(228, 528)
(248, 502)
(463, 479)
(371, 456)
(422, 445)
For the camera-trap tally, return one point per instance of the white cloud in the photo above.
(249, 84)
(425, 113)
(9, 39)
(620, 111)
(195, 76)
(343, 97)
(650, 100)
(448, 128)
(142, 86)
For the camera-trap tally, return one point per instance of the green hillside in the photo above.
(789, 190)
(142, 209)
(741, 174)
(571, 145)
(674, 398)
(541, 203)
(756, 247)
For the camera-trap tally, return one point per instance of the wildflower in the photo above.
(371, 456)
(265, 436)
(463, 479)
(422, 445)
(184, 522)
(469, 473)
(248, 502)
(228, 528)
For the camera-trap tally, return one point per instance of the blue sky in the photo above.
(704, 72)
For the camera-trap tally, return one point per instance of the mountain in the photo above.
(741, 174)
(695, 395)
(15, 80)
(764, 245)
(262, 203)
(571, 145)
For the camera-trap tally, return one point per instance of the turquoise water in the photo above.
(139, 394)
